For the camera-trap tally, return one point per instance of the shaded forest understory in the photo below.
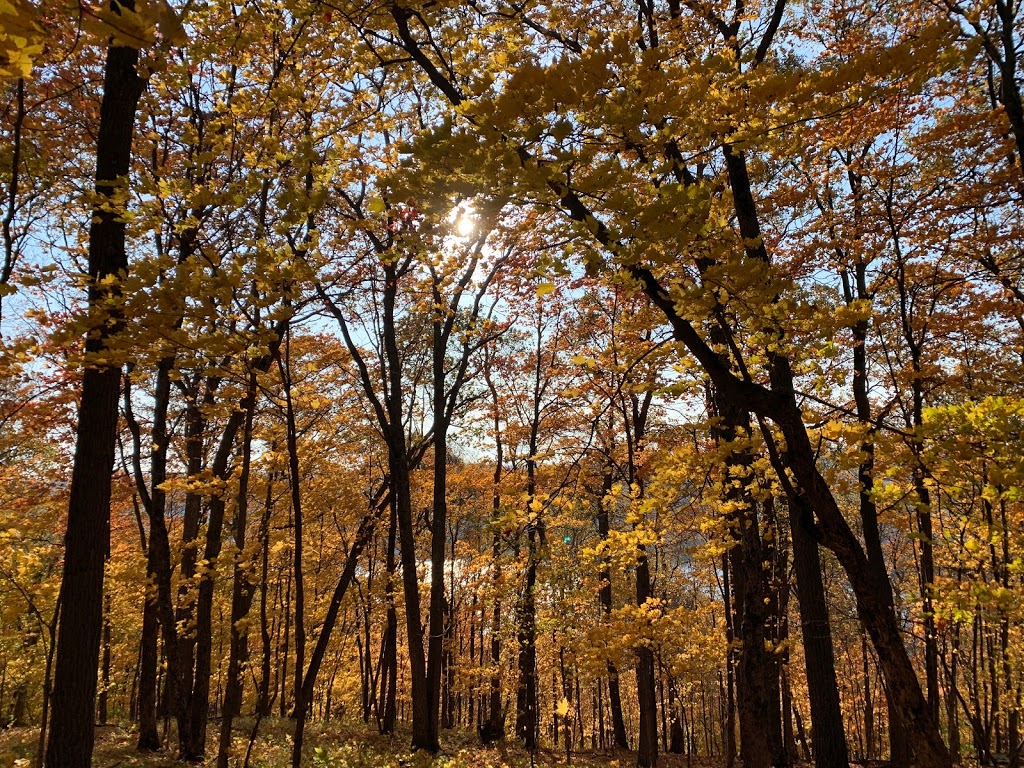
(340, 745)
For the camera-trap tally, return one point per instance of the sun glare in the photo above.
(463, 220)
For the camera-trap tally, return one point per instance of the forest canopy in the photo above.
(594, 376)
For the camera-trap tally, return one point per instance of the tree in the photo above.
(87, 541)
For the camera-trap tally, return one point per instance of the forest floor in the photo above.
(336, 745)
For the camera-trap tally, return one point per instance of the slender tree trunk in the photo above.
(870, 749)
(158, 613)
(527, 720)
(647, 740)
(729, 721)
(282, 673)
(264, 703)
(87, 540)
(605, 596)
(307, 679)
(44, 717)
(952, 708)
(495, 729)
(241, 590)
(389, 641)
(438, 527)
(294, 481)
(788, 736)
(185, 614)
(830, 748)
(105, 664)
(199, 700)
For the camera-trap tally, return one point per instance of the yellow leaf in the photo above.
(545, 289)
(562, 710)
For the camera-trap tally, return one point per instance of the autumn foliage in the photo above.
(592, 376)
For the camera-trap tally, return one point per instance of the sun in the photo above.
(465, 226)
(463, 220)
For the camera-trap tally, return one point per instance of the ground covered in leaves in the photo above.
(334, 745)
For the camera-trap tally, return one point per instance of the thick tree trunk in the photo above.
(873, 592)
(900, 755)
(677, 734)
(88, 532)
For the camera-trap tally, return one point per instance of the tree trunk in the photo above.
(158, 613)
(105, 664)
(527, 721)
(830, 748)
(605, 596)
(199, 698)
(149, 737)
(389, 641)
(729, 721)
(757, 669)
(438, 526)
(495, 722)
(900, 755)
(294, 484)
(241, 590)
(647, 740)
(87, 540)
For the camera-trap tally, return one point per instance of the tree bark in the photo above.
(87, 540)
(241, 590)
(389, 641)
(830, 748)
(605, 596)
